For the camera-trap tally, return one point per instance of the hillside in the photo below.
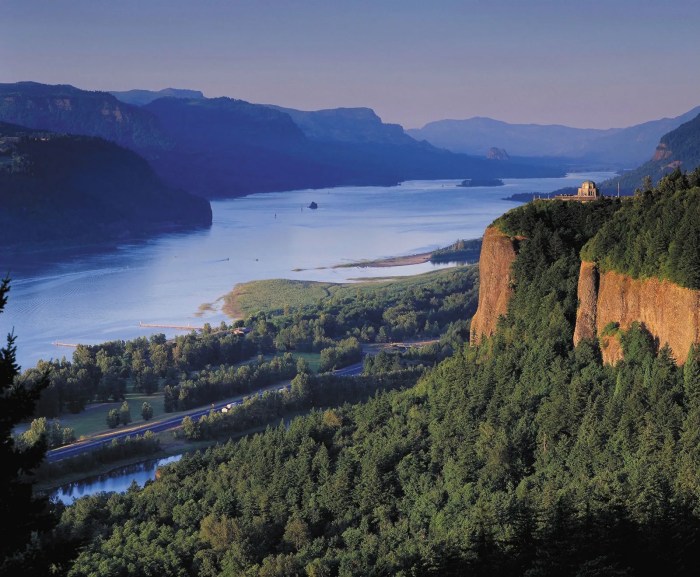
(228, 147)
(643, 266)
(58, 190)
(347, 125)
(613, 148)
(222, 147)
(521, 456)
(656, 234)
(69, 110)
(679, 149)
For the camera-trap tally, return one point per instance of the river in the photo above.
(94, 297)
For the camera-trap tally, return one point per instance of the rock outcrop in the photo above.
(588, 300)
(498, 251)
(669, 312)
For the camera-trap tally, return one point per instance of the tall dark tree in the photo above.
(22, 514)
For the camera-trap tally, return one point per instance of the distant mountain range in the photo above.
(65, 172)
(143, 97)
(612, 148)
(69, 189)
(222, 147)
(680, 148)
(347, 125)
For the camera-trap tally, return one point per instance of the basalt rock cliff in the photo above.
(671, 313)
(607, 301)
(498, 252)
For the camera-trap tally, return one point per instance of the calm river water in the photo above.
(93, 298)
(118, 481)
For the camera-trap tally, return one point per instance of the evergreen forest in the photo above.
(522, 456)
(657, 235)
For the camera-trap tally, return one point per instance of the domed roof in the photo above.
(588, 184)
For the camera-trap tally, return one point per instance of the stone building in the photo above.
(587, 193)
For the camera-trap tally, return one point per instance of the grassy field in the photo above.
(278, 294)
(94, 418)
(257, 295)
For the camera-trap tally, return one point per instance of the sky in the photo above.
(582, 63)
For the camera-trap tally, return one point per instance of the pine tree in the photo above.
(21, 513)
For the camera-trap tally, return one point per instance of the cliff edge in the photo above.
(498, 252)
(671, 313)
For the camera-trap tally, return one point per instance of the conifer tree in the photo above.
(21, 513)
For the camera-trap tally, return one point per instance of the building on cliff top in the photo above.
(587, 193)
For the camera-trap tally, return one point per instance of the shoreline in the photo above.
(385, 262)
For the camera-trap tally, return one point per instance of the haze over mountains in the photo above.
(678, 149)
(615, 148)
(223, 147)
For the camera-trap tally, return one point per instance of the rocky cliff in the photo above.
(498, 251)
(669, 312)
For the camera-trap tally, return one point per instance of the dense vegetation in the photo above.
(522, 456)
(19, 507)
(332, 321)
(76, 189)
(656, 234)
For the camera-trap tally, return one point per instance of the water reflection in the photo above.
(116, 481)
(96, 297)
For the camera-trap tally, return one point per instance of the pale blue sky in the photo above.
(586, 63)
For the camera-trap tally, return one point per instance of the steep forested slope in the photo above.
(655, 235)
(77, 189)
(678, 149)
(69, 110)
(523, 456)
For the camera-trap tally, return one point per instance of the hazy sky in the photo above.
(586, 63)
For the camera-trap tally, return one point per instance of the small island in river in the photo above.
(472, 182)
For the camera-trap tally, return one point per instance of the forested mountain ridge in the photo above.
(227, 147)
(69, 110)
(222, 147)
(677, 149)
(655, 234)
(521, 456)
(644, 266)
(75, 189)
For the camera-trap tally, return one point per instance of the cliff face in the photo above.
(588, 299)
(66, 109)
(669, 312)
(495, 283)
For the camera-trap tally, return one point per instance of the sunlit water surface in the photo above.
(92, 298)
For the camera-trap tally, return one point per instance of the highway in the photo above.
(92, 443)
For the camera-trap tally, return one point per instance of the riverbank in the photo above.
(247, 298)
(411, 259)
